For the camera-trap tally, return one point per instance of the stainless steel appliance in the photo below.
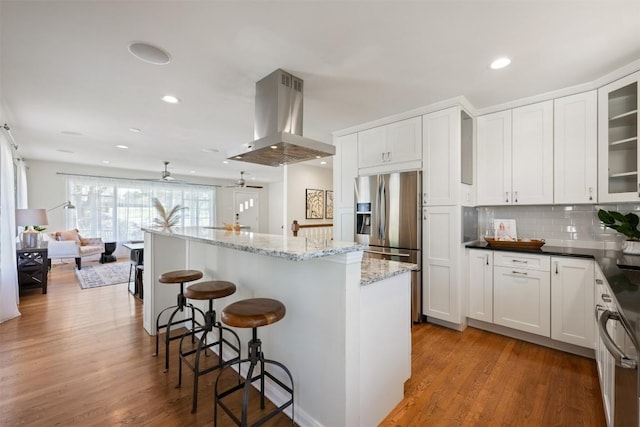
(388, 219)
(617, 357)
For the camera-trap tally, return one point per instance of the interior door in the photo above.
(246, 209)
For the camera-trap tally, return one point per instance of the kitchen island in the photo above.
(346, 336)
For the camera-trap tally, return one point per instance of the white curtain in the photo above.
(8, 270)
(21, 186)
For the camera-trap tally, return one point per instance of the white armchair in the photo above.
(69, 244)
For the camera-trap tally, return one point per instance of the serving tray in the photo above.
(527, 244)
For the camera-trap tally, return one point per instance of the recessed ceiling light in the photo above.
(210, 150)
(318, 157)
(170, 99)
(500, 63)
(192, 171)
(323, 162)
(226, 162)
(124, 147)
(274, 147)
(253, 178)
(149, 53)
(106, 162)
(238, 157)
(135, 130)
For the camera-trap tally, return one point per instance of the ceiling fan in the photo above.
(165, 176)
(241, 183)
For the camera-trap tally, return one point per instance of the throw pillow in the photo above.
(69, 235)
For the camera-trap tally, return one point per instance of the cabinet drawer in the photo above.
(521, 260)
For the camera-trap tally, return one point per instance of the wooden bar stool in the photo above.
(253, 313)
(207, 291)
(182, 277)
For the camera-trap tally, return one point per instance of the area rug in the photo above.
(94, 276)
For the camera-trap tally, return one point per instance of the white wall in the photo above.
(276, 208)
(299, 178)
(47, 189)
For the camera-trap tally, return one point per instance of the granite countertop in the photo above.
(275, 245)
(624, 284)
(374, 270)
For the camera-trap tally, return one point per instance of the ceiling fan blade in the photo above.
(253, 186)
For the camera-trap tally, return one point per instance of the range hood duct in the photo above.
(278, 125)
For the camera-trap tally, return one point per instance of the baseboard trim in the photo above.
(533, 338)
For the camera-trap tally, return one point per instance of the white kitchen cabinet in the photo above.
(447, 146)
(618, 141)
(515, 156)
(575, 148)
(392, 147)
(440, 288)
(532, 154)
(345, 170)
(480, 285)
(572, 294)
(494, 159)
(521, 292)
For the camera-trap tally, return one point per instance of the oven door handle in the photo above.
(621, 359)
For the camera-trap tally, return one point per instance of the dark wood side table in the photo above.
(33, 267)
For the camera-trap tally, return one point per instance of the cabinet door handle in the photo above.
(506, 196)
(524, 273)
(487, 259)
(388, 156)
(556, 267)
(590, 193)
(515, 198)
(599, 282)
(383, 160)
(520, 261)
(606, 297)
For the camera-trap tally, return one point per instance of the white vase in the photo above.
(631, 247)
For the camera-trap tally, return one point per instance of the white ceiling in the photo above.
(68, 82)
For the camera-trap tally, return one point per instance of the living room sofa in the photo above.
(69, 244)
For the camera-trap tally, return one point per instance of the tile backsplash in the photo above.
(560, 224)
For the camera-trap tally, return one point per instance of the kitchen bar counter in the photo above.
(330, 336)
(625, 286)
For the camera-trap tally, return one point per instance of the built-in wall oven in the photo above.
(617, 358)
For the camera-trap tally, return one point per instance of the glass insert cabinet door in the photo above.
(618, 140)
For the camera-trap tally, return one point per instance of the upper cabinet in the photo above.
(618, 141)
(532, 154)
(494, 158)
(447, 147)
(575, 139)
(515, 156)
(392, 147)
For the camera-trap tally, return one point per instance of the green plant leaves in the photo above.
(624, 224)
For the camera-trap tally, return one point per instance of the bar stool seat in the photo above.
(254, 313)
(181, 277)
(209, 290)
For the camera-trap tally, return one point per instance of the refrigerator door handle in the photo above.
(386, 253)
(381, 206)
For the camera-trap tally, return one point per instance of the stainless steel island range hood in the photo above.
(278, 125)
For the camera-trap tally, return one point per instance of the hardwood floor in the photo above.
(81, 357)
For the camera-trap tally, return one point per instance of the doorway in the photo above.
(246, 209)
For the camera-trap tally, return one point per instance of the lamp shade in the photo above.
(31, 217)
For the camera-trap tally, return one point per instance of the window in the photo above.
(116, 209)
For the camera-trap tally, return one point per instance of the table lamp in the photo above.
(28, 218)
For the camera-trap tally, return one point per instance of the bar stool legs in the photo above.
(171, 277)
(253, 313)
(209, 325)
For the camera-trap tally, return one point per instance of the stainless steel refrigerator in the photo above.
(388, 219)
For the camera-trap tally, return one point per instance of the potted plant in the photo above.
(624, 224)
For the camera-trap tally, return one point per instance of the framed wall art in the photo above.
(328, 204)
(315, 204)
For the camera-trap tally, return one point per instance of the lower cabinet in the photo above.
(521, 296)
(572, 293)
(548, 296)
(480, 285)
